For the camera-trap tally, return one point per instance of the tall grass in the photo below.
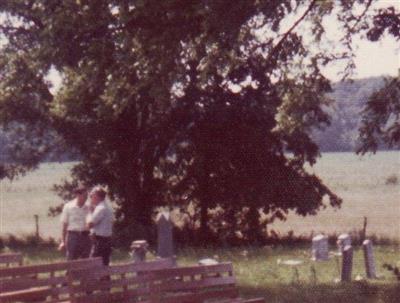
(260, 272)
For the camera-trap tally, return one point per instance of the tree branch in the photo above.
(362, 15)
(279, 44)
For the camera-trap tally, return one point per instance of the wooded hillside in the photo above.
(349, 101)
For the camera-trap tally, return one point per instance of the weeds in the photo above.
(29, 241)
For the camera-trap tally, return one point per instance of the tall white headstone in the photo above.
(369, 259)
(165, 245)
(320, 248)
(347, 264)
(343, 241)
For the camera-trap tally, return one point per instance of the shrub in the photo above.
(13, 242)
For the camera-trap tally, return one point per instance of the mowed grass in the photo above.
(360, 181)
(260, 272)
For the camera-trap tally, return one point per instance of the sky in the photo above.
(371, 58)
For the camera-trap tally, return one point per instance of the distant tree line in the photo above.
(350, 99)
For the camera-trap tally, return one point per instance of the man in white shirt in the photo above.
(75, 233)
(100, 221)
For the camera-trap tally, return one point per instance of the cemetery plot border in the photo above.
(195, 284)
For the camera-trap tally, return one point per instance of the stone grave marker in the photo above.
(369, 259)
(343, 241)
(320, 248)
(347, 263)
(139, 250)
(165, 246)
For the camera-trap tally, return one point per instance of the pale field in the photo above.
(360, 181)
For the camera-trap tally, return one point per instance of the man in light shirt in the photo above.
(75, 233)
(100, 221)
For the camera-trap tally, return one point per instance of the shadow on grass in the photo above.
(356, 292)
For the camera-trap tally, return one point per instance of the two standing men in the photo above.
(87, 229)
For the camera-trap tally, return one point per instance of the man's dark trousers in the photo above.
(102, 248)
(78, 245)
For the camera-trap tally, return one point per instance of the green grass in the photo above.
(259, 273)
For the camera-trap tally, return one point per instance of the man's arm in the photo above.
(64, 221)
(96, 216)
(63, 236)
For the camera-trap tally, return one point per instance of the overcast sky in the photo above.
(371, 58)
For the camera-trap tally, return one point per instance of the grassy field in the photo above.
(360, 181)
(260, 273)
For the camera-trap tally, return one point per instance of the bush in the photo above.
(27, 241)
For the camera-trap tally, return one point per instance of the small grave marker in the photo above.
(320, 248)
(139, 250)
(369, 259)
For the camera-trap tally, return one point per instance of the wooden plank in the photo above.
(191, 284)
(48, 267)
(200, 297)
(26, 294)
(36, 282)
(257, 300)
(195, 270)
(29, 282)
(126, 268)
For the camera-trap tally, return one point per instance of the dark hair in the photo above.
(80, 190)
(101, 193)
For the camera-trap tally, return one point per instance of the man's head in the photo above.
(81, 194)
(97, 195)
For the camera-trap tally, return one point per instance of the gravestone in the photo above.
(347, 263)
(165, 246)
(208, 261)
(139, 250)
(320, 248)
(343, 241)
(369, 259)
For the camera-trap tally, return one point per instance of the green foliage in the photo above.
(381, 116)
(349, 99)
(170, 102)
(26, 242)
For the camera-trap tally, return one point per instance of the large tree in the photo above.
(165, 100)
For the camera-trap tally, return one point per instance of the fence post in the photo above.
(37, 226)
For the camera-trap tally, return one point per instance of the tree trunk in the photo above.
(205, 198)
(254, 233)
